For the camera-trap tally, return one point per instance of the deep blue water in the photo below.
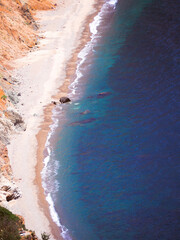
(118, 163)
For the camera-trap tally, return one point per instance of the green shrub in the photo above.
(9, 225)
(4, 97)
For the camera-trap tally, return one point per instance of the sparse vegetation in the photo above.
(9, 225)
(4, 97)
(12, 227)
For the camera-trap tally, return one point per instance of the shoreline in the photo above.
(47, 121)
(26, 149)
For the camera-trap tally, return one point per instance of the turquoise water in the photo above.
(115, 157)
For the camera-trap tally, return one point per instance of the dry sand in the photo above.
(40, 73)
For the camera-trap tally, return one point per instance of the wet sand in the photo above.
(45, 125)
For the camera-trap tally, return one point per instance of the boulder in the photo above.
(14, 195)
(53, 102)
(64, 100)
(5, 188)
(9, 197)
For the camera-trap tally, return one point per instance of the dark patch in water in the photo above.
(103, 94)
(100, 95)
(89, 120)
(85, 112)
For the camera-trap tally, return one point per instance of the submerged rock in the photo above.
(64, 100)
(100, 95)
(103, 94)
(89, 120)
(85, 112)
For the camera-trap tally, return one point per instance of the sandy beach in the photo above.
(40, 75)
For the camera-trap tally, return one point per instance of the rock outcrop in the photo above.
(10, 121)
(8, 188)
(27, 15)
(64, 100)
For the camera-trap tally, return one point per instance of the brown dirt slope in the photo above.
(18, 34)
(16, 27)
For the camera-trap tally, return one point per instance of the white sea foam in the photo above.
(89, 46)
(49, 172)
(54, 215)
(113, 2)
(53, 212)
(93, 26)
(49, 183)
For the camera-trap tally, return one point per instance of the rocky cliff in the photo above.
(18, 34)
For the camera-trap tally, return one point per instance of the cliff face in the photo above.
(13, 31)
(8, 189)
(18, 34)
(17, 27)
